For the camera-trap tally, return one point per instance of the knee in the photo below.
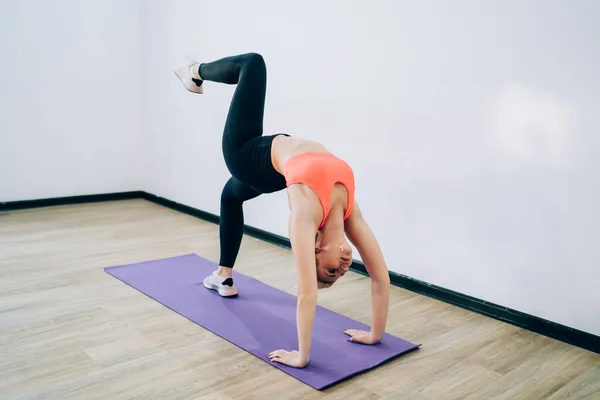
(255, 58)
(231, 195)
(228, 197)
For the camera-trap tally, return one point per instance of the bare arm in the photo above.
(302, 238)
(361, 236)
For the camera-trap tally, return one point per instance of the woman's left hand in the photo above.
(291, 358)
(364, 337)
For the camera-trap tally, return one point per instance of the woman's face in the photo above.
(333, 261)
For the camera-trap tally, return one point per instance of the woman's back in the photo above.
(286, 147)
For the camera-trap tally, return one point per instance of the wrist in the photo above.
(303, 359)
(375, 337)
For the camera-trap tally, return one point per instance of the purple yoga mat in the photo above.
(260, 319)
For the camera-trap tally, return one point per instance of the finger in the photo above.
(357, 339)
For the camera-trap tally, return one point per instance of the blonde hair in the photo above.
(320, 283)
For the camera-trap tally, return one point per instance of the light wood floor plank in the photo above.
(68, 330)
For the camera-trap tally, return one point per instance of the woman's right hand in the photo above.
(291, 358)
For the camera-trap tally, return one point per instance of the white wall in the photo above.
(470, 126)
(70, 98)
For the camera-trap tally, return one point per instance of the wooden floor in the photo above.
(68, 330)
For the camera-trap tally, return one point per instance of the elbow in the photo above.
(383, 279)
(386, 279)
(307, 296)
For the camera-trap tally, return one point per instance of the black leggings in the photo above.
(246, 151)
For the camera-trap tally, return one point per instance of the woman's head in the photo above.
(333, 256)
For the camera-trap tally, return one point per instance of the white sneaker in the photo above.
(224, 286)
(184, 74)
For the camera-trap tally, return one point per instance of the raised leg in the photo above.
(246, 112)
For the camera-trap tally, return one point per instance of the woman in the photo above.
(320, 190)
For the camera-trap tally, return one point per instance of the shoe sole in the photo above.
(216, 289)
(184, 85)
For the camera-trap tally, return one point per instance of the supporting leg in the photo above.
(231, 229)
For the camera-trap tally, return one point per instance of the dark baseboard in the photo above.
(61, 201)
(538, 325)
(181, 208)
(529, 322)
(206, 216)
